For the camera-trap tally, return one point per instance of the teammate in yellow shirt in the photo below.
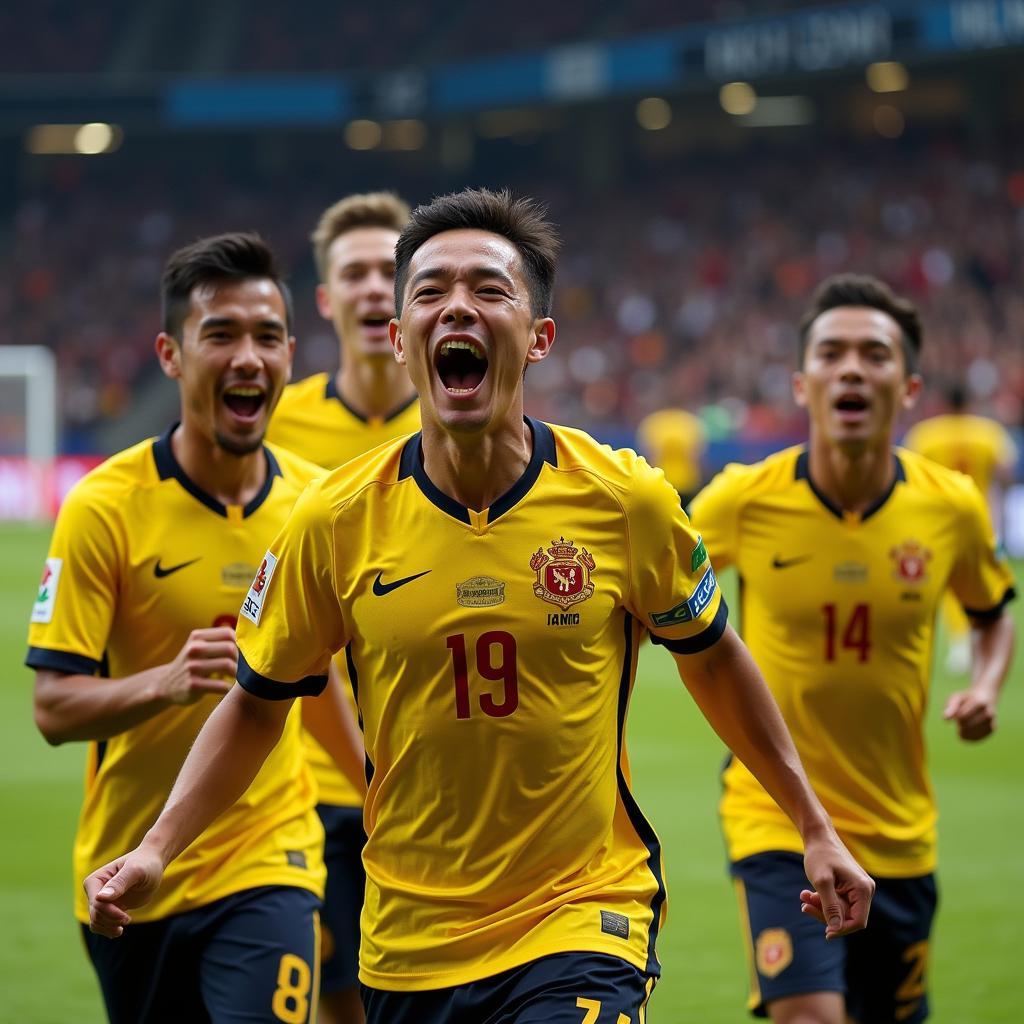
(984, 450)
(489, 580)
(331, 418)
(674, 440)
(132, 639)
(843, 549)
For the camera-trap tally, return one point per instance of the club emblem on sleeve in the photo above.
(910, 561)
(563, 574)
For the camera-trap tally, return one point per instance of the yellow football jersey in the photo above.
(140, 557)
(838, 611)
(974, 445)
(313, 420)
(493, 655)
(674, 441)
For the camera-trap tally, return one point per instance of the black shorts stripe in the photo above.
(270, 689)
(702, 641)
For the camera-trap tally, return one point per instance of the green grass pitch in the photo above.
(46, 979)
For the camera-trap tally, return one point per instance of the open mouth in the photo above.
(245, 400)
(851, 403)
(375, 323)
(462, 366)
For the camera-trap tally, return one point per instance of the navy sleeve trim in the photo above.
(62, 661)
(270, 689)
(991, 614)
(700, 642)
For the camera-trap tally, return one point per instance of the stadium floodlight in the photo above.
(887, 76)
(654, 113)
(363, 134)
(737, 98)
(91, 139)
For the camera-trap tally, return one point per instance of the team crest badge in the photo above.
(910, 562)
(773, 951)
(563, 574)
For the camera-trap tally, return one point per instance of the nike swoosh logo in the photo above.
(785, 563)
(380, 589)
(160, 572)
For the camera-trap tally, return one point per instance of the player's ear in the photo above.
(323, 302)
(542, 340)
(395, 335)
(168, 352)
(912, 390)
(799, 389)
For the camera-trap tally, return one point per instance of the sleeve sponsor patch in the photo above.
(691, 608)
(699, 556)
(42, 610)
(252, 606)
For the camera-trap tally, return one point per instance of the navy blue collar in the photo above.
(331, 391)
(803, 472)
(168, 467)
(543, 452)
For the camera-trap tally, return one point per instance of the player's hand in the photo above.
(973, 712)
(117, 887)
(206, 663)
(843, 890)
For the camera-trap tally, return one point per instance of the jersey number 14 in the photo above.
(856, 634)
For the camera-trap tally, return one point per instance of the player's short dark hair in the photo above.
(237, 256)
(863, 290)
(364, 210)
(522, 221)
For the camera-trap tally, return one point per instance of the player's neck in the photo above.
(374, 390)
(230, 479)
(476, 470)
(853, 481)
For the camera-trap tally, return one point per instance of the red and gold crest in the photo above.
(563, 574)
(910, 561)
(773, 951)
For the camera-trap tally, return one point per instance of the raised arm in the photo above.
(71, 707)
(730, 691)
(228, 752)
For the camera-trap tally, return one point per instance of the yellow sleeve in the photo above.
(673, 589)
(715, 513)
(78, 593)
(290, 622)
(981, 576)
(1007, 449)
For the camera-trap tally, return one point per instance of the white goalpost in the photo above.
(28, 377)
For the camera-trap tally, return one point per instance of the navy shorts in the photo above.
(343, 897)
(251, 957)
(566, 988)
(881, 970)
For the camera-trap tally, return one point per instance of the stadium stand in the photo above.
(683, 289)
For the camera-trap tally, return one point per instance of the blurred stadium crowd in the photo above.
(683, 289)
(118, 36)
